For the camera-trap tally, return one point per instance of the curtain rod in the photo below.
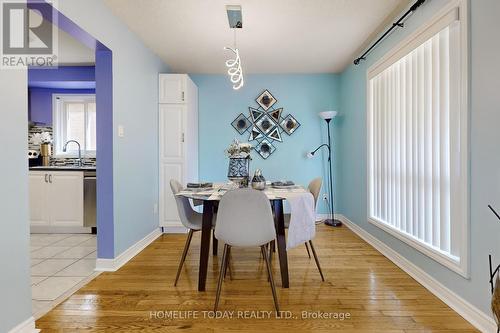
(398, 23)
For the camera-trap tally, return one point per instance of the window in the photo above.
(74, 118)
(417, 142)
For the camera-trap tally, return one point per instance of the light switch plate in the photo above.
(121, 131)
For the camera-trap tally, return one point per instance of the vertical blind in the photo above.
(414, 126)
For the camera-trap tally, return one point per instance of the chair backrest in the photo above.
(184, 208)
(315, 188)
(244, 218)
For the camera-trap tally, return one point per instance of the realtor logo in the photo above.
(29, 34)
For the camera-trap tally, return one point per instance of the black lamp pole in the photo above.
(331, 222)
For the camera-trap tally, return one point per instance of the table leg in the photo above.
(215, 244)
(205, 243)
(280, 237)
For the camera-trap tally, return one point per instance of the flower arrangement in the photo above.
(238, 150)
(41, 138)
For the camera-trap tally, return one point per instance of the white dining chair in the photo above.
(190, 219)
(245, 219)
(315, 188)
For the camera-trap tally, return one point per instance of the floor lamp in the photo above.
(328, 116)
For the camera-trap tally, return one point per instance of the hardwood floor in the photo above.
(377, 295)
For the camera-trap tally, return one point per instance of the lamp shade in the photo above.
(327, 115)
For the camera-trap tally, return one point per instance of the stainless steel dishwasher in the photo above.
(89, 199)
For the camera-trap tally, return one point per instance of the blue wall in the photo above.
(485, 160)
(303, 96)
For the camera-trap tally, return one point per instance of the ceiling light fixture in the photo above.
(235, 71)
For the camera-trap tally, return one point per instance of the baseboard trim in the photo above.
(40, 229)
(174, 229)
(469, 312)
(111, 265)
(27, 326)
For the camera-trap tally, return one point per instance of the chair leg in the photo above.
(270, 273)
(221, 275)
(316, 259)
(307, 248)
(269, 247)
(228, 266)
(229, 261)
(184, 253)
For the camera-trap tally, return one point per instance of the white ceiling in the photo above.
(278, 36)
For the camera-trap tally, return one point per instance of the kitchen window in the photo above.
(418, 141)
(74, 118)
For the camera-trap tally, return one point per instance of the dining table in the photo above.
(210, 197)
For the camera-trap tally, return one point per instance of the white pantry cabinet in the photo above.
(56, 198)
(178, 140)
(173, 88)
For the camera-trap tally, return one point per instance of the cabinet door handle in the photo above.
(46, 178)
(182, 137)
(182, 96)
(50, 179)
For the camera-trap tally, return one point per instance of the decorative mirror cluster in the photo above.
(241, 123)
(265, 124)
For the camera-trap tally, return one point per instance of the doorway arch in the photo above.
(104, 123)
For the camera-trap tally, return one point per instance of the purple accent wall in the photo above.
(83, 74)
(43, 82)
(40, 102)
(104, 106)
(65, 85)
(104, 154)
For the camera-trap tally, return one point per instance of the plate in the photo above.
(283, 184)
(285, 187)
(199, 185)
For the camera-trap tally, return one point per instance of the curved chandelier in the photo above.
(235, 71)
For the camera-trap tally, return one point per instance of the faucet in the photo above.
(79, 151)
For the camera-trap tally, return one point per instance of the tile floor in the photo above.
(59, 262)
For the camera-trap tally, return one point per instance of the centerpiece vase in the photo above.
(239, 170)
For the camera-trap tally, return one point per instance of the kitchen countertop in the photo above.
(63, 168)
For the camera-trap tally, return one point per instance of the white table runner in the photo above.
(302, 226)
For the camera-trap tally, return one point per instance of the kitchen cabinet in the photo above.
(56, 198)
(39, 210)
(172, 89)
(178, 136)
